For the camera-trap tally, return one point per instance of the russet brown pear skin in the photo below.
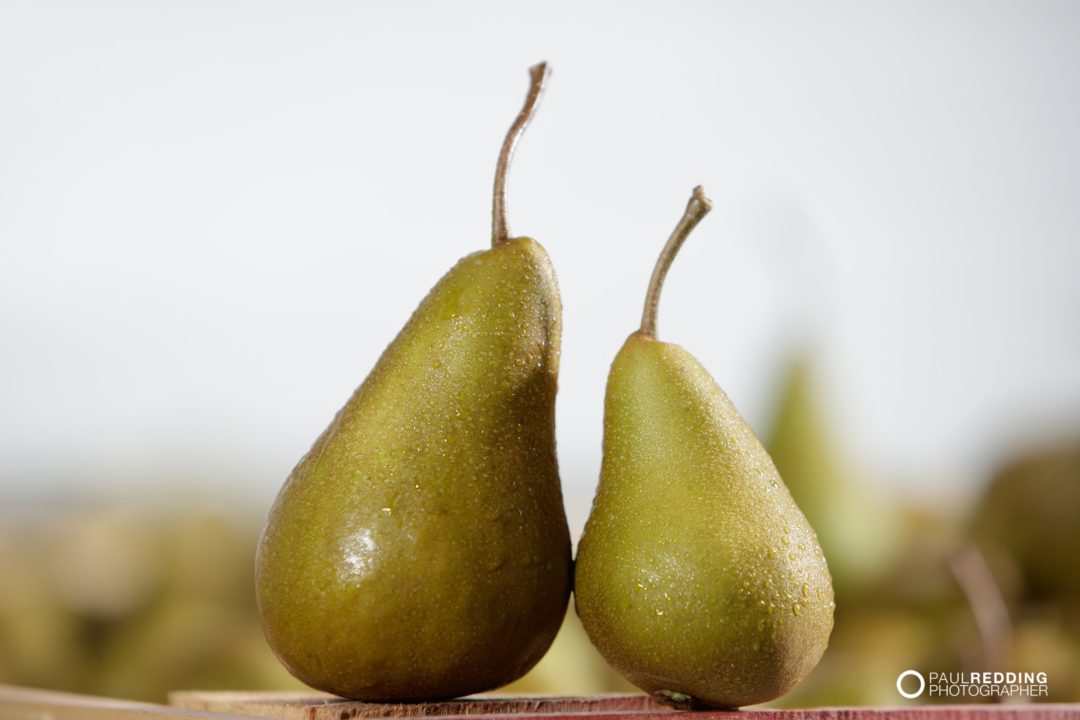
(420, 549)
(697, 577)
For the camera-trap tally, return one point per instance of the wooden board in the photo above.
(28, 704)
(18, 703)
(320, 706)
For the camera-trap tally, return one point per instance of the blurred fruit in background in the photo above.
(1028, 524)
(133, 600)
(924, 587)
(856, 530)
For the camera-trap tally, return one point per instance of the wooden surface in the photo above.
(17, 703)
(319, 706)
(28, 704)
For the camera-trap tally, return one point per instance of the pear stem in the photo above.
(696, 209)
(538, 75)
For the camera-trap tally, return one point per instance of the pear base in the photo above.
(679, 700)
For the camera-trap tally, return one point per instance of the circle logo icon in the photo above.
(900, 684)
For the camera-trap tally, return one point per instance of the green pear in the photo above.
(859, 533)
(420, 550)
(697, 576)
(1026, 521)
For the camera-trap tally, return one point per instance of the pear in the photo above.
(420, 550)
(859, 533)
(697, 576)
(1026, 521)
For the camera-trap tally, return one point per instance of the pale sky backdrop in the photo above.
(215, 215)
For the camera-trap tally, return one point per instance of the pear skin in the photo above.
(420, 550)
(697, 577)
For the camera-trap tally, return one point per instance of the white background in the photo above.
(215, 215)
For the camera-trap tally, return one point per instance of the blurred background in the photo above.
(214, 217)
